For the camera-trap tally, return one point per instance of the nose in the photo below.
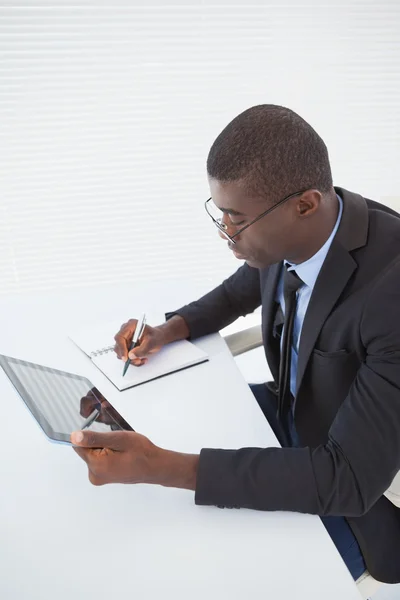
(229, 228)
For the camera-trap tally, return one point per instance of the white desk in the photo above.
(62, 538)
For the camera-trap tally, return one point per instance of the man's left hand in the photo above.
(116, 457)
(128, 457)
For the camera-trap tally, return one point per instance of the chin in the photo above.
(258, 264)
(255, 264)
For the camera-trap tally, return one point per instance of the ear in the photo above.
(308, 203)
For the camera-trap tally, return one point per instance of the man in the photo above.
(324, 264)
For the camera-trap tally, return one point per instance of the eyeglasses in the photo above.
(223, 227)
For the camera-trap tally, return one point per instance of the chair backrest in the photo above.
(393, 493)
(243, 341)
(367, 585)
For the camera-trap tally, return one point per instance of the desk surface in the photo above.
(63, 538)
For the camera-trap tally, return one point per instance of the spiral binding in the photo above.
(101, 351)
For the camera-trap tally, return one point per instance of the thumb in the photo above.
(114, 440)
(142, 350)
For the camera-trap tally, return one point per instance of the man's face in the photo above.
(271, 239)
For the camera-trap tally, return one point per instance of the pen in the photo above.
(91, 418)
(135, 340)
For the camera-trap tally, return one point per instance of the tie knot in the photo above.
(291, 281)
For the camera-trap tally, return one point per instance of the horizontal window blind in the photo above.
(108, 111)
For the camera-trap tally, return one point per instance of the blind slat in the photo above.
(108, 112)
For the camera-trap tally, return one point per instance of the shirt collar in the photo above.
(309, 270)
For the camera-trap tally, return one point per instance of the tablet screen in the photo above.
(61, 402)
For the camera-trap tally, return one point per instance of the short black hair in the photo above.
(273, 151)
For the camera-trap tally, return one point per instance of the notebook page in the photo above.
(97, 337)
(171, 358)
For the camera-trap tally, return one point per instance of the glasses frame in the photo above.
(222, 227)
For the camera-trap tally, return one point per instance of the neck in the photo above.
(322, 230)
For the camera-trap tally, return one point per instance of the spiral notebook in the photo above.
(98, 345)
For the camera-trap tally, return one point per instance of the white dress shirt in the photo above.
(308, 272)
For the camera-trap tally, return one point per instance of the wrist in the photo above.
(174, 329)
(174, 469)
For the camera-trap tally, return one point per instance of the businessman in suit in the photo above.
(324, 264)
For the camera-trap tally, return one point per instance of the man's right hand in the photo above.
(152, 340)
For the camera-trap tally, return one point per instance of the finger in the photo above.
(124, 337)
(88, 404)
(121, 347)
(115, 440)
(138, 362)
(105, 418)
(84, 453)
(95, 479)
(142, 349)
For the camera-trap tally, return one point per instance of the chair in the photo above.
(251, 338)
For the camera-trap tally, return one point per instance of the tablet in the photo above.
(61, 402)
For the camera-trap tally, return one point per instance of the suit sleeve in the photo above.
(348, 474)
(237, 296)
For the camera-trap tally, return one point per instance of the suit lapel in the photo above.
(335, 273)
(332, 279)
(268, 304)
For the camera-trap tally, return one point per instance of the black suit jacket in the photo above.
(347, 410)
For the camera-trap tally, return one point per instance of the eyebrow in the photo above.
(231, 211)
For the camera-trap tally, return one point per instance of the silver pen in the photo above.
(136, 338)
(91, 418)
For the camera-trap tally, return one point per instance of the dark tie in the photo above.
(291, 283)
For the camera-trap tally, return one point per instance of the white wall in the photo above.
(107, 114)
